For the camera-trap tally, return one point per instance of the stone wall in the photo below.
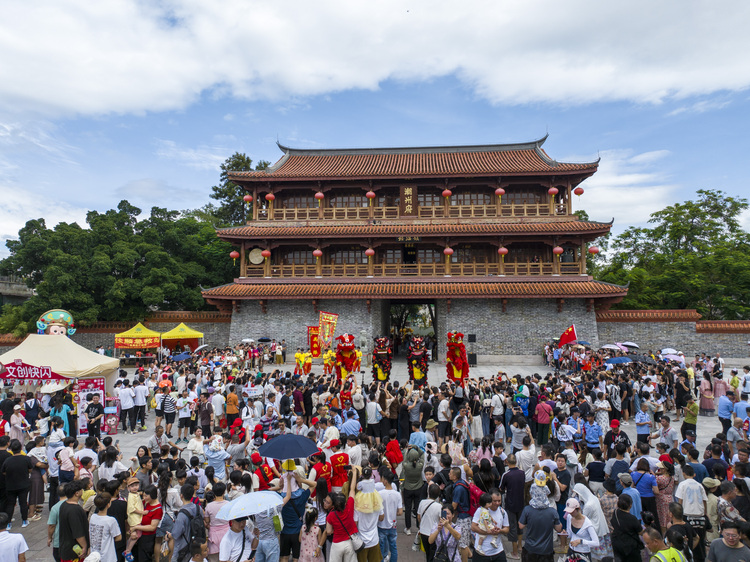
(682, 336)
(521, 330)
(288, 319)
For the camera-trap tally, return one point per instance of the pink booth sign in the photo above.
(18, 370)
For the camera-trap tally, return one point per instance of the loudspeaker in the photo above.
(472, 359)
(472, 338)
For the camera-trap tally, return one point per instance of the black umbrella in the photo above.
(288, 446)
(643, 359)
(264, 339)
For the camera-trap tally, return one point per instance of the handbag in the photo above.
(442, 553)
(357, 543)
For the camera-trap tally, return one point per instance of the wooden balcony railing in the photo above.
(433, 212)
(415, 270)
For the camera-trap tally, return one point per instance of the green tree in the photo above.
(120, 268)
(695, 256)
(232, 208)
(594, 263)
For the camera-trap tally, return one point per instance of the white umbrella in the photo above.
(250, 504)
(204, 346)
(668, 351)
(248, 340)
(611, 346)
(631, 344)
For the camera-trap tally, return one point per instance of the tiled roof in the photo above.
(546, 228)
(438, 289)
(477, 160)
(723, 327)
(648, 316)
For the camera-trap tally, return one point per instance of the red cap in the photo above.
(614, 423)
(258, 427)
(314, 421)
(335, 443)
(238, 423)
(256, 458)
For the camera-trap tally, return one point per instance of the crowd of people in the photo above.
(501, 468)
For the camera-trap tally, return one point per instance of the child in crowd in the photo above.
(134, 512)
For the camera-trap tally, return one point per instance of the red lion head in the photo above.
(346, 342)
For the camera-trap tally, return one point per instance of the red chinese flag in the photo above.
(568, 336)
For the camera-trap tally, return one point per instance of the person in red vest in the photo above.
(263, 474)
(320, 468)
(339, 467)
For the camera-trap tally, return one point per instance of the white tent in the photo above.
(64, 357)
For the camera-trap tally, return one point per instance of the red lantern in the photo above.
(369, 252)
(370, 195)
(447, 193)
(593, 250)
(319, 195)
(317, 252)
(502, 250)
(553, 191)
(270, 197)
(234, 254)
(578, 191)
(266, 253)
(448, 251)
(499, 192)
(557, 250)
(248, 198)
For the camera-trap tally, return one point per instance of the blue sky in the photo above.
(143, 101)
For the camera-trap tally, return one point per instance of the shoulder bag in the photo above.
(442, 553)
(357, 541)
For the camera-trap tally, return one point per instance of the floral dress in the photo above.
(308, 545)
(602, 416)
(707, 399)
(665, 483)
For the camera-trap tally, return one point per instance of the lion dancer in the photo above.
(382, 356)
(329, 360)
(456, 361)
(307, 362)
(357, 360)
(298, 361)
(417, 361)
(345, 356)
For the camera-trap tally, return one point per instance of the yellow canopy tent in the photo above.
(137, 337)
(182, 336)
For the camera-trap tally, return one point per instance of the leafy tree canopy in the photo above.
(696, 255)
(232, 208)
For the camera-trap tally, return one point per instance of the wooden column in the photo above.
(255, 203)
(582, 261)
(551, 201)
(267, 267)
(569, 203)
(319, 266)
(243, 261)
(448, 264)
(555, 264)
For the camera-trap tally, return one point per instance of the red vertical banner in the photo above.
(313, 340)
(327, 328)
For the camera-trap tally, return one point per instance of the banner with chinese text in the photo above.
(18, 370)
(137, 343)
(313, 341)
(327, 328)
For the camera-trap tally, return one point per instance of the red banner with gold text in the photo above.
(313, 341)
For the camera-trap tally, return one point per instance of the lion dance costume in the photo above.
(345, 356)
(382, 359)
(456, 361)
(416, 359)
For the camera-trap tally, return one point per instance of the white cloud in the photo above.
(200, 158)
(628, 187)
(128, 56)
(148, 192)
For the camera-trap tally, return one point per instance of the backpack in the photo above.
(618, 468)
(196, 530)
(474, 494)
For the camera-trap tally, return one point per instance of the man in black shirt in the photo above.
(614, 437)
(425, 409)
(74, 526)
(94, 414)
(16, 470)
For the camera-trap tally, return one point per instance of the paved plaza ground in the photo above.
(36, 533)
